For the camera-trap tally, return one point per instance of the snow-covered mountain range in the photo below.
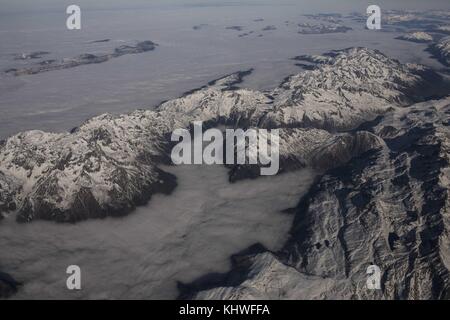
(417, 37)
(109, 164)
(387, 206)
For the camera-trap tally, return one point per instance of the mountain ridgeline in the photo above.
(364, 121)
(109, 165)
(388, 206)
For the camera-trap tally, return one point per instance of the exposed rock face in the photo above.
(333, 18)
(235, 28)
(340, 93)
(419, 37)
(345, 89)
(109, 164)
(105, 167)
(444, 29)
(308, 28)
(389, 206)
(315, 148)
(269, 28)
(31, 55)
(441, 50)
(51, 65)
(8, 192)
(8, 286)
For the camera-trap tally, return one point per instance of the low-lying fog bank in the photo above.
(174, 238)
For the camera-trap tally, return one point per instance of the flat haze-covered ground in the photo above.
(186, 58)
(174, 238)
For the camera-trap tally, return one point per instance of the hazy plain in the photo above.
(185, 59)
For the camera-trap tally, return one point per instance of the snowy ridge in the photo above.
(316, 148)
(103, 168)
(341, 93)
(109, 164)
(338, 95)
(82, 59)
(420, 37)
(388, 207)
(8, 191)
(441, 50)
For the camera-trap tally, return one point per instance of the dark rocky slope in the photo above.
(388, 206)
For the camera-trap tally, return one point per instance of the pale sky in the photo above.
(309, 5)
